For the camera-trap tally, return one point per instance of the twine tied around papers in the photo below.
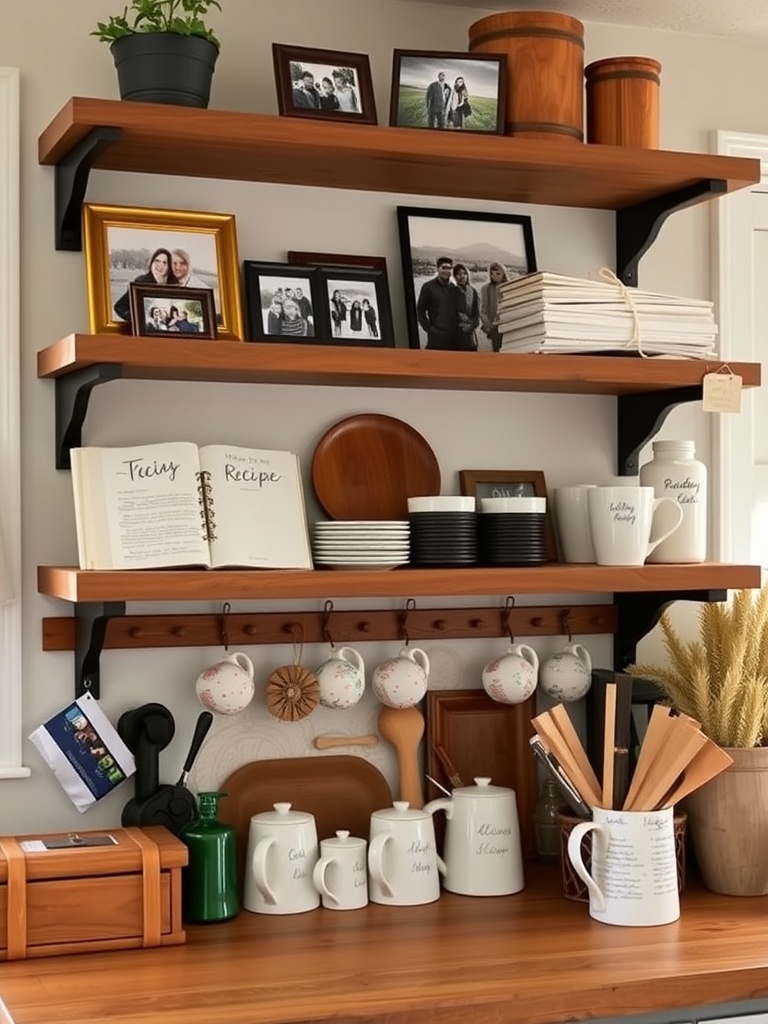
(606, 274)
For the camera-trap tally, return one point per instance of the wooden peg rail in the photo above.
(133, 632)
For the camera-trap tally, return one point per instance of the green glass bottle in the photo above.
(209, 881)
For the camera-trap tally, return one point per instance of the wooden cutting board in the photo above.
(367, 466)
(340, 790)
(484, 738)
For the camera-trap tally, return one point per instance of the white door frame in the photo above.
(733, 450)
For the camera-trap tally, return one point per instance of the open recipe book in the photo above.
(174, 504)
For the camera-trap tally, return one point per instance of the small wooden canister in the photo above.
(623, 102)
(545, 71)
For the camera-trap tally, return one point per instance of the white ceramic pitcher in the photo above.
(483, 855)
(402, 857)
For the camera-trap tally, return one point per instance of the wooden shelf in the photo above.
(153, 359)
(83, 586)
(154, 138)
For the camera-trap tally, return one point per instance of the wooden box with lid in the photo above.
(90, 891)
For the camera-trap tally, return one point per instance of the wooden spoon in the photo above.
(325, 742)
(403, 728)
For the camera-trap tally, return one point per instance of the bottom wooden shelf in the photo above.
(78, 585)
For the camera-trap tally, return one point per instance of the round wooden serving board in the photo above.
(367, 466)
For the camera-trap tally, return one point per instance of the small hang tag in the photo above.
(722, 392)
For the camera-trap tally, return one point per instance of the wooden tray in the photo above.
(340, 790)
(367, 466)
(484, 738)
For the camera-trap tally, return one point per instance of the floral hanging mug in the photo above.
(512, 679)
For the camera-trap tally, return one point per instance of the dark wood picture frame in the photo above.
(336, 259)
(375, 322)
(414, 98)
(481, 483)
(187, 314)
(468, 234)
(344, 71)
(263, 281)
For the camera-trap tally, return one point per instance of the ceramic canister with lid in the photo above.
(483, 854)
(282, 853)
(403, 864)
(675, 472)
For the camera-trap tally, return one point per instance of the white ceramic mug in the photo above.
(621, 522)
(512, 679)
(634, 866)
(483, 855)
(567, 676)
(341, 678)
(227, 687)
(572, 520)
(402, 857)
(282, 853)
(341, 874)
(401, 682)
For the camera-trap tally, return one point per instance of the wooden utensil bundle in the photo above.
(675, 758)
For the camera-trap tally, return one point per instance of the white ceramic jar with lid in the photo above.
(282, 853)
(483, 855)
(675, 472)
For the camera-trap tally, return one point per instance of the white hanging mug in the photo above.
(567, 676)
(227, 687)
(512, 679)
(341, 678)
(401, 682)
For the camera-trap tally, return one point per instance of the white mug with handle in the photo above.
(621, 523)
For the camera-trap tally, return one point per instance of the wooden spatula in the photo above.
(403, 728)
(649, 751)
(710, 761)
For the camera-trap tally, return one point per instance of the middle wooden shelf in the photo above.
(81, 585)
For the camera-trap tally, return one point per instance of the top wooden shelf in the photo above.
(160, 139)
(157, 359)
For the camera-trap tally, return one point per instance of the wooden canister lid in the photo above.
(526, 23)
(623, 67)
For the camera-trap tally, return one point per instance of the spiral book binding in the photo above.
(207, 509)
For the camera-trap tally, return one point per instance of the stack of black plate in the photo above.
(443, 531)
(510, 537)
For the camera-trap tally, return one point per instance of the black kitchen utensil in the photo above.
(146, 731)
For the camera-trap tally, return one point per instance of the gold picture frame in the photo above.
(120, 242)
(503, 483)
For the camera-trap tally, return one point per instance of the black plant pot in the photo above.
(164, 67)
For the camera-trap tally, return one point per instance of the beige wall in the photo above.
(706, 84)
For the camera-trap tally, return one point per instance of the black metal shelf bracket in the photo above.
(638, 226)
(71, 181)
(73, 392)
(91, 620)
(638, 613)
(639, 418)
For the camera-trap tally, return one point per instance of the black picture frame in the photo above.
(344, 72)
(370, 289)
(263, 282)
(178, 314)
(336, 259)
(419, 76)
(471, 239)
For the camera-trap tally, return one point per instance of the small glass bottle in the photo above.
(209, 881)
(546, 827)
(674, 472)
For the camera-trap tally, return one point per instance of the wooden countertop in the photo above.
(532, 958)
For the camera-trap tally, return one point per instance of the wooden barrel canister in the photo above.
(545, 71)
(623, 102)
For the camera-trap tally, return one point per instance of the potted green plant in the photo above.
(721, 680)
(164, 51)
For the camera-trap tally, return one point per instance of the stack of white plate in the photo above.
(360, 544)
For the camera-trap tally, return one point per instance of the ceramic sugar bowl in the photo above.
(512, 679)
(567, 676)
(341, 678)
(402, 682)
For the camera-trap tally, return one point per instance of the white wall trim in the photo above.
(733, 283)
(10, 429)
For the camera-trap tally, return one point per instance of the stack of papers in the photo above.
(546, 312)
